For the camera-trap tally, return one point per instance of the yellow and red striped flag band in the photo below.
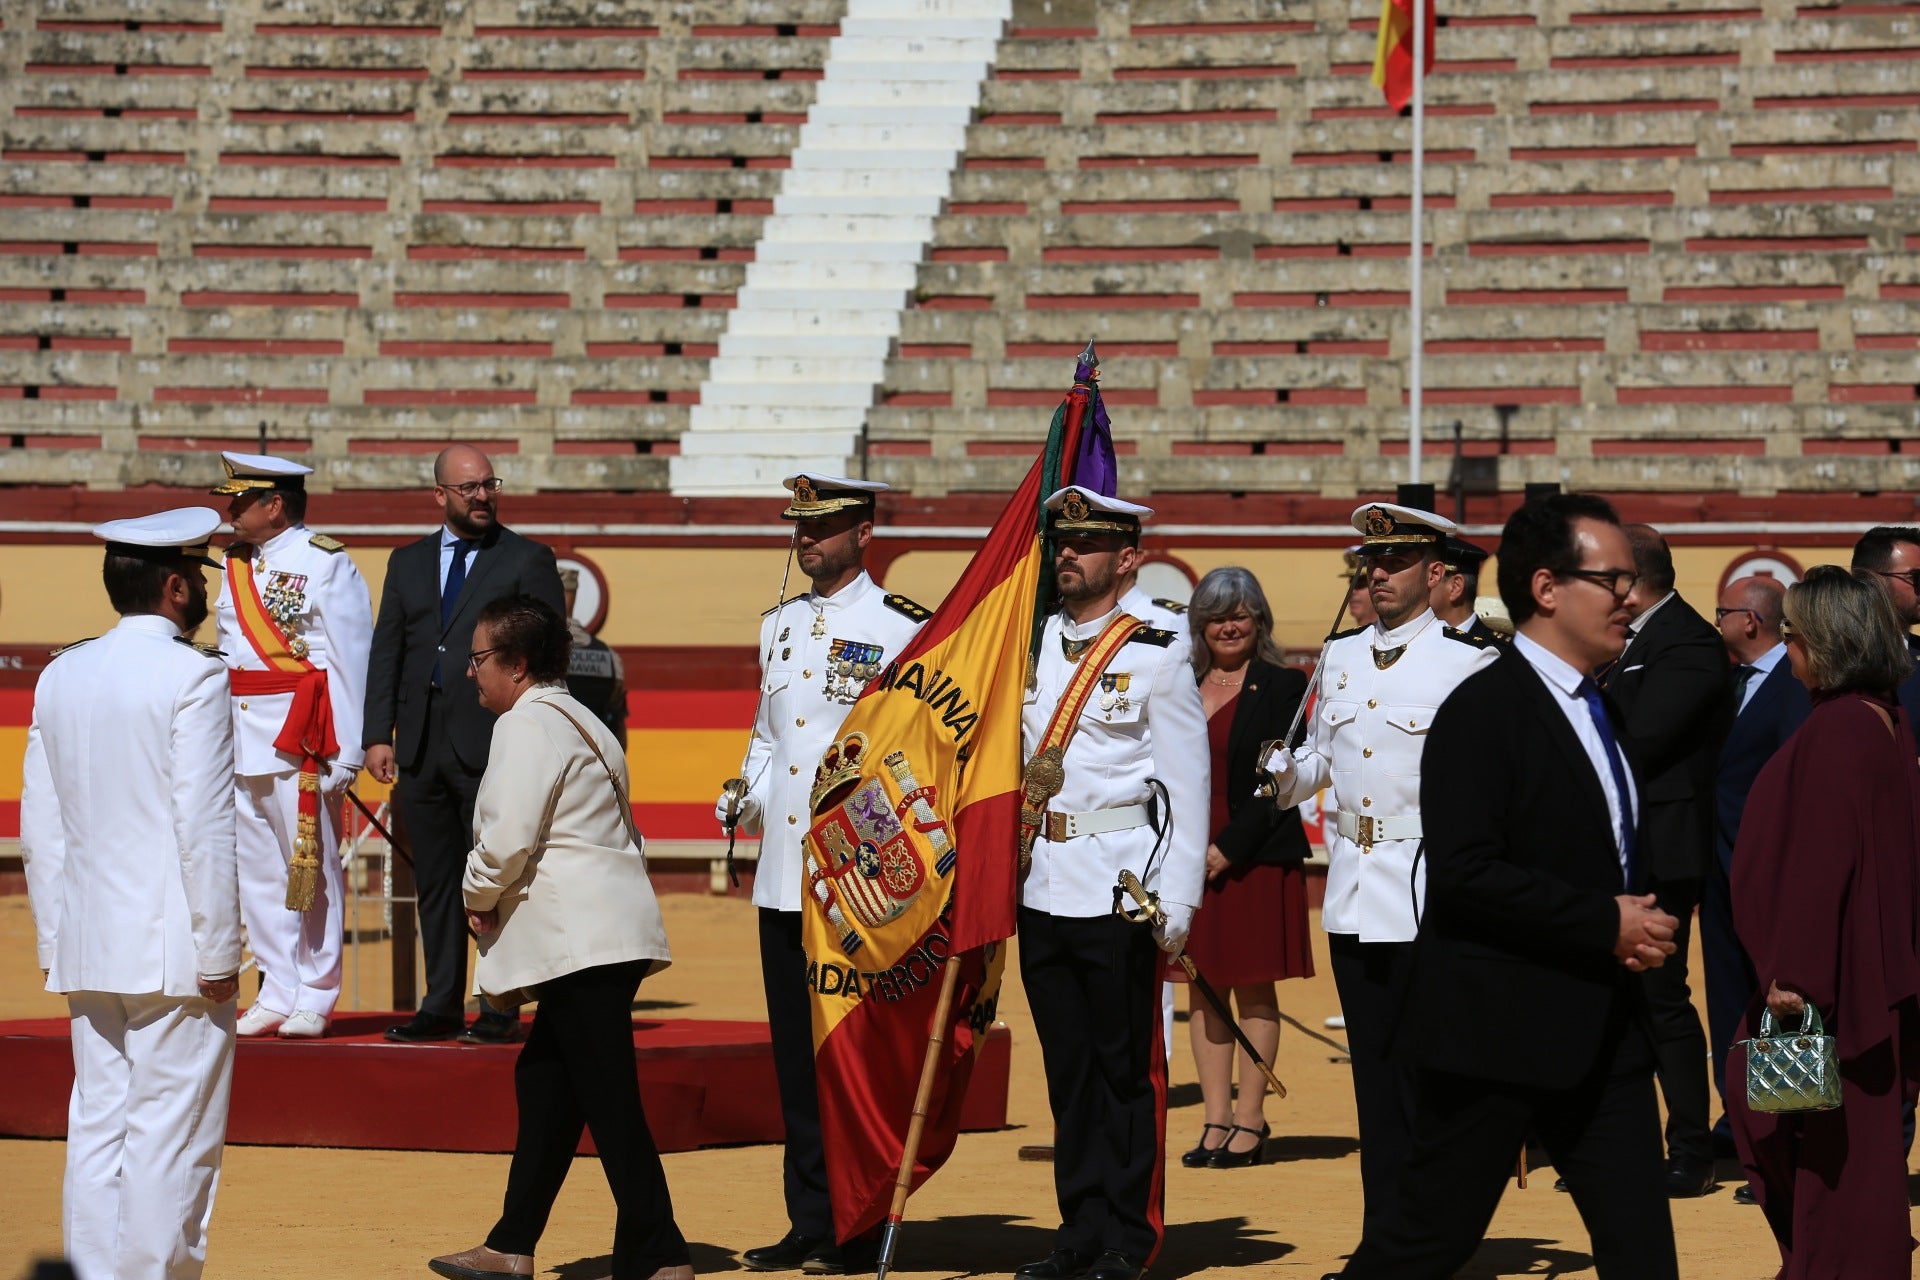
(911, 857)
(1393, 52)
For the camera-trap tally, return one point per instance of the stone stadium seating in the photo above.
(1675, 243)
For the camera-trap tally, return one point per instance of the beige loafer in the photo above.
(481, 1263)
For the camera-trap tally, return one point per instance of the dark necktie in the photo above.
(450, 591)
(1742, 676)
(1590, 693)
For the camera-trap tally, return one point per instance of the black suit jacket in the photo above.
(1672, 686)
(1514, 975)
(1257, 831)
(408, 638)
(1777, 708)
(1910, 691)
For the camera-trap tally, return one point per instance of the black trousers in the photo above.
(1371, 978)
(577, 1070)
(1603, 1135)
(435, 794)
(1094, 986)
(1679, 1041)
(1731, 981)
(783, 970)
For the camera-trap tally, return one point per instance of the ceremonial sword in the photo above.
(735, 789)
(1153, 913)
(1270, 786)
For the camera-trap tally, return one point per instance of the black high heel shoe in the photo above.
(1222, 1158)
(1202, 1153)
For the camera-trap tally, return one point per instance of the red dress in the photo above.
(1252, 923)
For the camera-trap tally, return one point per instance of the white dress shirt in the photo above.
(448, 541)
(1762, 668)
(1565, 679)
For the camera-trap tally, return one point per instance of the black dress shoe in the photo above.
(1743, 1194)
(1115, 1265)
(422, 1028)
(1225, 1157)
(784, 1255)
(828, 1258)
(1201, 1153)
(1061, 1264)
(1689, 1179)
(494, 1028)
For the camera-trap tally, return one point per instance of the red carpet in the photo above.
(704, 1084)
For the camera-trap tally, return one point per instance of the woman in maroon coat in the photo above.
(1826, 877)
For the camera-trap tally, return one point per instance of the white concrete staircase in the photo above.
(807, 342)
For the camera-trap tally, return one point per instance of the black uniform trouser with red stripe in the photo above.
(1094, 986)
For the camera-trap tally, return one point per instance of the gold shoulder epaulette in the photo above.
(327, 543)
(1464, 637)
(57, 650)
(1152, 636)
(1171, 606)
(207, 649)
(1350, 631)
(901, 604)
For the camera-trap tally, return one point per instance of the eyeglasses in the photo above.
(478, 656)
(1909, 576)
(1788, 631)
(472, 488)
(1721, 614)
(1618, 581)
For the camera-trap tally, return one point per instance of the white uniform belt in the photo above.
(1065, 826)
(1369, 831)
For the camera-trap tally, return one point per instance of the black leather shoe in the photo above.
(1061, 1264)
(1201, 1153)
(855, 1257)
(1743, 1194)
(423, 1028)
(1689, 1179)
(1560, 1185)
(785, 1255)
(1227, 1158)
(1115, 1265)
(494, 1028)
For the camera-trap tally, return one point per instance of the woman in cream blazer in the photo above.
(556, 888)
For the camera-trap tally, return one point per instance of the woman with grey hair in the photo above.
(1826, 900)
(1251, 929)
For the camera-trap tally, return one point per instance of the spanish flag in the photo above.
(912, 855)
(1393, 54)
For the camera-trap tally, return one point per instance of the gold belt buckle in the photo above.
(1057, 827)
(1368, 832)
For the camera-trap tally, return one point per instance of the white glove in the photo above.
(1280, 762)
(337, 778)
(1171, 933)
(748, 814)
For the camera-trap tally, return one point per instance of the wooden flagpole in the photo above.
(929, 1070)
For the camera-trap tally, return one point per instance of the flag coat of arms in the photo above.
(912, 853)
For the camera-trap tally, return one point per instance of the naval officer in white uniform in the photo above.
(306, 606)
(817, 652)
(1378, 691)
(1133, 777)
(126, 829)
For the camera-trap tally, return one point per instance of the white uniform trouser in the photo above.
(145, 1130)
(299, 954)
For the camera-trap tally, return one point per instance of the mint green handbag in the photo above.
(1794, 1070)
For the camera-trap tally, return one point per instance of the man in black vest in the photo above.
(595, 674)
(426, 731)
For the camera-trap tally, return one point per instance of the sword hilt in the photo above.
(735, 790)
(1150, 911)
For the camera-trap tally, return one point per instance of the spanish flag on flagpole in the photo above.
(912, 857)
(1393, 54)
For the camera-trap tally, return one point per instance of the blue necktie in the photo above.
(1590, 693)
(450, 591)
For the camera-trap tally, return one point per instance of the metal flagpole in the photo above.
(1415, 296)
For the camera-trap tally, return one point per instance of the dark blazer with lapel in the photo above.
(1514, 974)
(1777, 708)
(1672, 686)
(1910, 691)
(1258, 832)
(408, 637)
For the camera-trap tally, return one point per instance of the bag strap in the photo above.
(620, 798)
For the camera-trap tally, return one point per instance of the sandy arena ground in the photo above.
(301, 1214)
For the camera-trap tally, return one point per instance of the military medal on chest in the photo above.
(819, 624)
(285, 599)
(1113, 692)
(850, 665)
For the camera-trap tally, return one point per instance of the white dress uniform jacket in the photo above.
(552, 854)
(1369, 727)
(805, 696)
(1157, 730)
(335, 620)
(126, 815)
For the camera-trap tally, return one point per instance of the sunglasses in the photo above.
(1909, 576)
(1788, 632)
